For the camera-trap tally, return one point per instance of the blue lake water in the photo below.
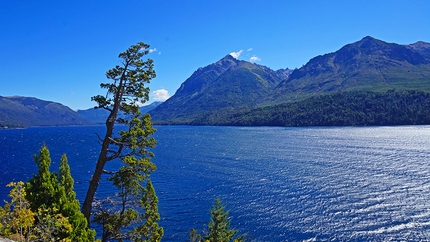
(280, 184)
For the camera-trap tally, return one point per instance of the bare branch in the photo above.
(116, 142)
(107, 108)
(115, 154)
(98, 136)
(109, 172)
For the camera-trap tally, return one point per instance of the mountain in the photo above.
(28, 111)
(421, 47)
(227, 83)
(94, 115)
(99, 116)
(366, 65)
(232, 86)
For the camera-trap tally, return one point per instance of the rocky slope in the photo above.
(227, 83)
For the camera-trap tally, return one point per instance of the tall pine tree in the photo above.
(41, 189)
(219, 227)
(53, 194)
(126, 90)
(69, 206)
(134, 204)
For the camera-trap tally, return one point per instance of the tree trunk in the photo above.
(95, 179)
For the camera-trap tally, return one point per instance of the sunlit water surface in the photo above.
(280, 184)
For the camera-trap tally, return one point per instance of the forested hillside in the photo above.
(339, 109)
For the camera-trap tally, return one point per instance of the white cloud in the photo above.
(160, 95)
(254, 59)
(152, 50)
(249, 49)
(236, 54)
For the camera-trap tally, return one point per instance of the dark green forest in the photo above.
(359, 108)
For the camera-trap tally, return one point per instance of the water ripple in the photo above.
(280, 184)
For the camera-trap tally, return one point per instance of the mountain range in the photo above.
(18, 112)
(367, 65)
(98, 116)
(237, 92)
(230, 85)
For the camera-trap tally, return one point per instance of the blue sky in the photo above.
(60, 50)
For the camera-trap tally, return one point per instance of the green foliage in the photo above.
(41, 189)
(52, 226)
(69, 207)
(121, 215)
(53, 197)
(45, 212)
(3, 220)
(338, 109)
(128, 80)
(219, 227)
(66, 180)
(149, 230)
(16, 217)
(194, 236)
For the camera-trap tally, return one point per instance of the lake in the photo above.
(280, 184)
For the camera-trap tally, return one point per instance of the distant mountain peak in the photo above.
(205, 75)
(421, 47)
(229, 56)
(367, 39)
(421, 44)
(227, 60)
